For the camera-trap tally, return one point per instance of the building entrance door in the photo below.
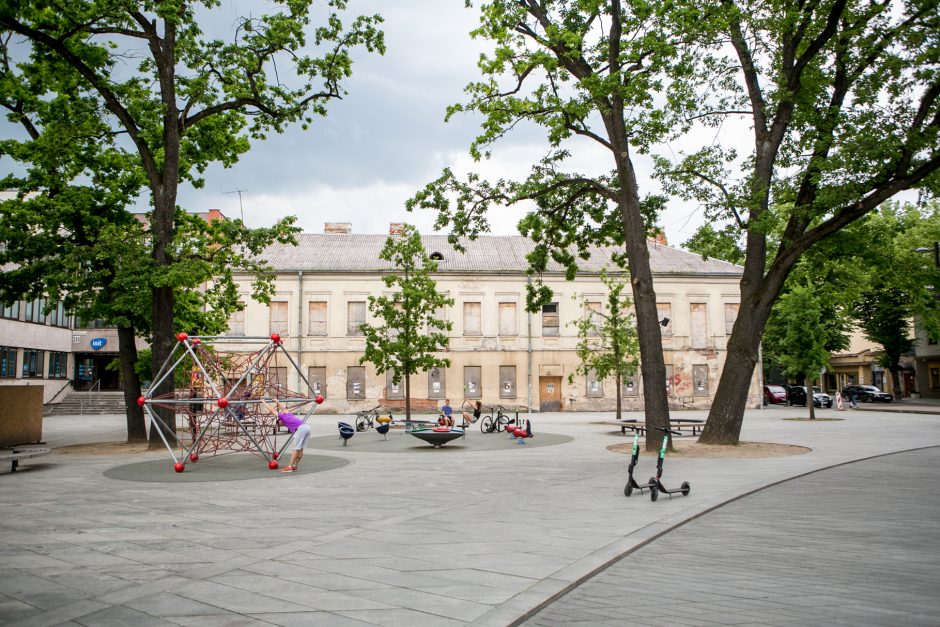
(549, 393)
(91, 371)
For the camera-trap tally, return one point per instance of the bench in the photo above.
(15, 454)
(695, 426)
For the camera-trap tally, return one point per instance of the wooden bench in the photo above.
(695, 426)
(15, 454)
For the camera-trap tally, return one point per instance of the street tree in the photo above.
(409, 332)
(591, 76)
(190, 100)
(840, 100)
(607, 339)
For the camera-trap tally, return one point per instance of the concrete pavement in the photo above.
(476, 537)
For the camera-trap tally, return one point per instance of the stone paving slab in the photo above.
(469, 537)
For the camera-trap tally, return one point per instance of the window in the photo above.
(631, 385)
(34, 311)
(550, 320)
(58, 318)
(669, 388)
(595, 387)
(10, 311)
(57, 365)
(935, 378)
(593, 312)
(394, 391)
(316, 318)
(699, 326)
(355, 317)
(279, 377)
(436, 387)
(7, 362)
(277, 322)
(731, 314)
(355, 383)
(472, 387)
(236, 322)
(700, 380)
(316, 377)
(507, 382)
(664, 311)
(440, 314)
(471, 319)
(507, 319)
(32, 364)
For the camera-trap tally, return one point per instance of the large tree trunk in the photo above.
(127, 350)
(619, 398)
(407, 396)
(895, 369)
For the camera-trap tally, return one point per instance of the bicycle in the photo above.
(497, 424)
(365, 419)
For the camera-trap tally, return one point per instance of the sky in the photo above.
(387, 138)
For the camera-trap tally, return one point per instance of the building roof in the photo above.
(336, 252)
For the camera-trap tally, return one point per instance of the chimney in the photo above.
(214, 214)
(337, 228)
(659, 238)
(396, 228)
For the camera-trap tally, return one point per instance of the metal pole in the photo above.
(529, 356)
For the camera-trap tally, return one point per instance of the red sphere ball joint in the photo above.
(193, 457)
(196, 340)
(319, 399)
(223, 402)
(179, 466)
(181, 337)
(275, 455)
(141, 400)
(272, 465)
(276, 338)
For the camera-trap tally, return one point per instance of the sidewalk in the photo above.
(433, 537)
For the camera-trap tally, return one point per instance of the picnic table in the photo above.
(693, 424)
(15, 454)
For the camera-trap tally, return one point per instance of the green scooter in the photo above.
(634, 457)
(655, 483)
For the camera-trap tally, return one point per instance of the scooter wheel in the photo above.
(627, 489)
(686, 488)
(654, 491)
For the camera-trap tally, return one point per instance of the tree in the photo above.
(411, 332)
(812, 80)
(607, 339)
(587, 72)
(190, 99)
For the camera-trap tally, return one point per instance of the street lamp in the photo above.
(935, 250)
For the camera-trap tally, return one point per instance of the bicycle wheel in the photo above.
(502, 420)
(362, 423)
(488, 424)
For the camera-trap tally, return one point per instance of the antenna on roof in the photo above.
(240, 208)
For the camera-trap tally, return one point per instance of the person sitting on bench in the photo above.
(447, 414)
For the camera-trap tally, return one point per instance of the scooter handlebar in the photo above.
(669, 431)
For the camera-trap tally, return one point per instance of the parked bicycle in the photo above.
(495, 423)
(365, 419)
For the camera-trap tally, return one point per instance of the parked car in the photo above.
(866, 394)
(796, 395)
(774, 394)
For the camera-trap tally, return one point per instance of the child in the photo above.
(295, 425)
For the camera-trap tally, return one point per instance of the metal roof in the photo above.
(353, 253)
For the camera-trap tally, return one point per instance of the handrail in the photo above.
(56, 395)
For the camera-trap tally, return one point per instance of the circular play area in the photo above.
(233, 467)
(400, 441)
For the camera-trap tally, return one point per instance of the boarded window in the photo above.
(436, 387)
(699, 326)
(355, 317)
(631, 385)
(316, 318)
(471, 319)
(550, 320)
(593, 312)
(507, 382)
(664, 311)
(394, 391)
(316, 377)
(700, 380)
(472, 386)
(507, 319)
(355, 383)
(277, 317)
(670, 389)
(236, 322)
(595, 387)
(731, 314)
(279, 377)
(440, 313)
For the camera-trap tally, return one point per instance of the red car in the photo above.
(774, 394)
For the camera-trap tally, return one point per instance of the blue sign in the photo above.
(98, 342)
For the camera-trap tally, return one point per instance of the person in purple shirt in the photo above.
(296, 426)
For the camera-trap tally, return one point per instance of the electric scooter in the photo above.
(656, 485)
(634, 457)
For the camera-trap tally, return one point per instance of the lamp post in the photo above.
(935, 250)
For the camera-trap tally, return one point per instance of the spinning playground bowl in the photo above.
(438, 436)
(346, 431)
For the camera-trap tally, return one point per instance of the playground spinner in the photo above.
(221, 409)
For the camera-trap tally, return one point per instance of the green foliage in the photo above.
(711, 243)
(409, 331)
(607, 340)
(798, 333)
